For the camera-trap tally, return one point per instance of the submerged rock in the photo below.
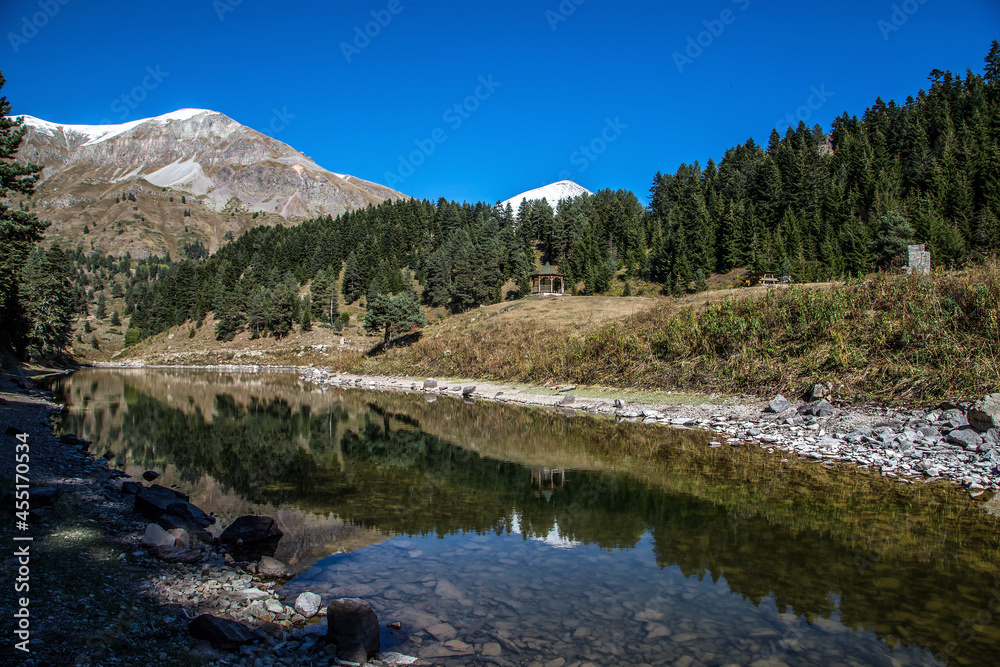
(252, 534)
(352, 626)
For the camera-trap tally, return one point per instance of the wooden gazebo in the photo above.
(548, 281)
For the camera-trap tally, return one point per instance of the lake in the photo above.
(503, 535)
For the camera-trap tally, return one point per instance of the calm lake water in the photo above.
(490, 529)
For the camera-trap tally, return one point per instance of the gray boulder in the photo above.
(157, 537)
(308, 604)
(467, 391)
(273, 568)
(352, 626)
(568, 399)
(965, 437)
(430, 383)
(778, 404)
(985, 413)
(150, 475)
(222, 632)
(820, 408)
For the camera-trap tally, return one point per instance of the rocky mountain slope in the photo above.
(190, 176)
(553, 193)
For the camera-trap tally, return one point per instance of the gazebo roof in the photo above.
(547, 271)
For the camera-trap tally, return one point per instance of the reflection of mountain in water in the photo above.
(399, 465)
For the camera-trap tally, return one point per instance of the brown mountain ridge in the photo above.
(155, 185)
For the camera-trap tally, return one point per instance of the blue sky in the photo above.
(479, 101)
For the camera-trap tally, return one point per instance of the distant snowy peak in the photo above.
(552, 193)
(98, 133)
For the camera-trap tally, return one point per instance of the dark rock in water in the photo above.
(966, 437)
(222, 632)
(108, 455)
(170, 509)
(150, 475)
(131, 488)
(778, 404)
(252, 536)
(13, 431)
(38, 497)
(985, 413)
(273, 568)
(353, 626)
(820, 408)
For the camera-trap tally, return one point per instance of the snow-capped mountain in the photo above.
(553, 193)
(188, 175)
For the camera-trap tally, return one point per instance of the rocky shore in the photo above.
(958, 441)
(128, 572)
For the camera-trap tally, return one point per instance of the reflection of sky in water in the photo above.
(577, 602)
(554, 538)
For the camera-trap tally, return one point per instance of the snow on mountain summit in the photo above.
(98, 133)
(552, 193)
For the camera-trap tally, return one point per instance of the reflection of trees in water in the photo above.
(368, 461)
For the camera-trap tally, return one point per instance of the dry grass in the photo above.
(892, 338)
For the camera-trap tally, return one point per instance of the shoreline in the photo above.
(911, 444)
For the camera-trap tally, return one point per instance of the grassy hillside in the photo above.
(890, 337)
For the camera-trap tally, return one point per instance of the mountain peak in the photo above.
(553, 193)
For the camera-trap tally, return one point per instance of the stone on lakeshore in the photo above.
(273, 568)
(251, 534)
(150, 475)
(568, 399)
(570, 387)
(222, 632)
(130, 488)
(308, 604)
(430, 383)
(816, 392)
(467, 391)
(176, 554)
(352, 626)
(156, 501)
(965, 437)
(108, 455)
(985, 413)
(819, 408)
(181, 537)
(778, 404)
(157, 537)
